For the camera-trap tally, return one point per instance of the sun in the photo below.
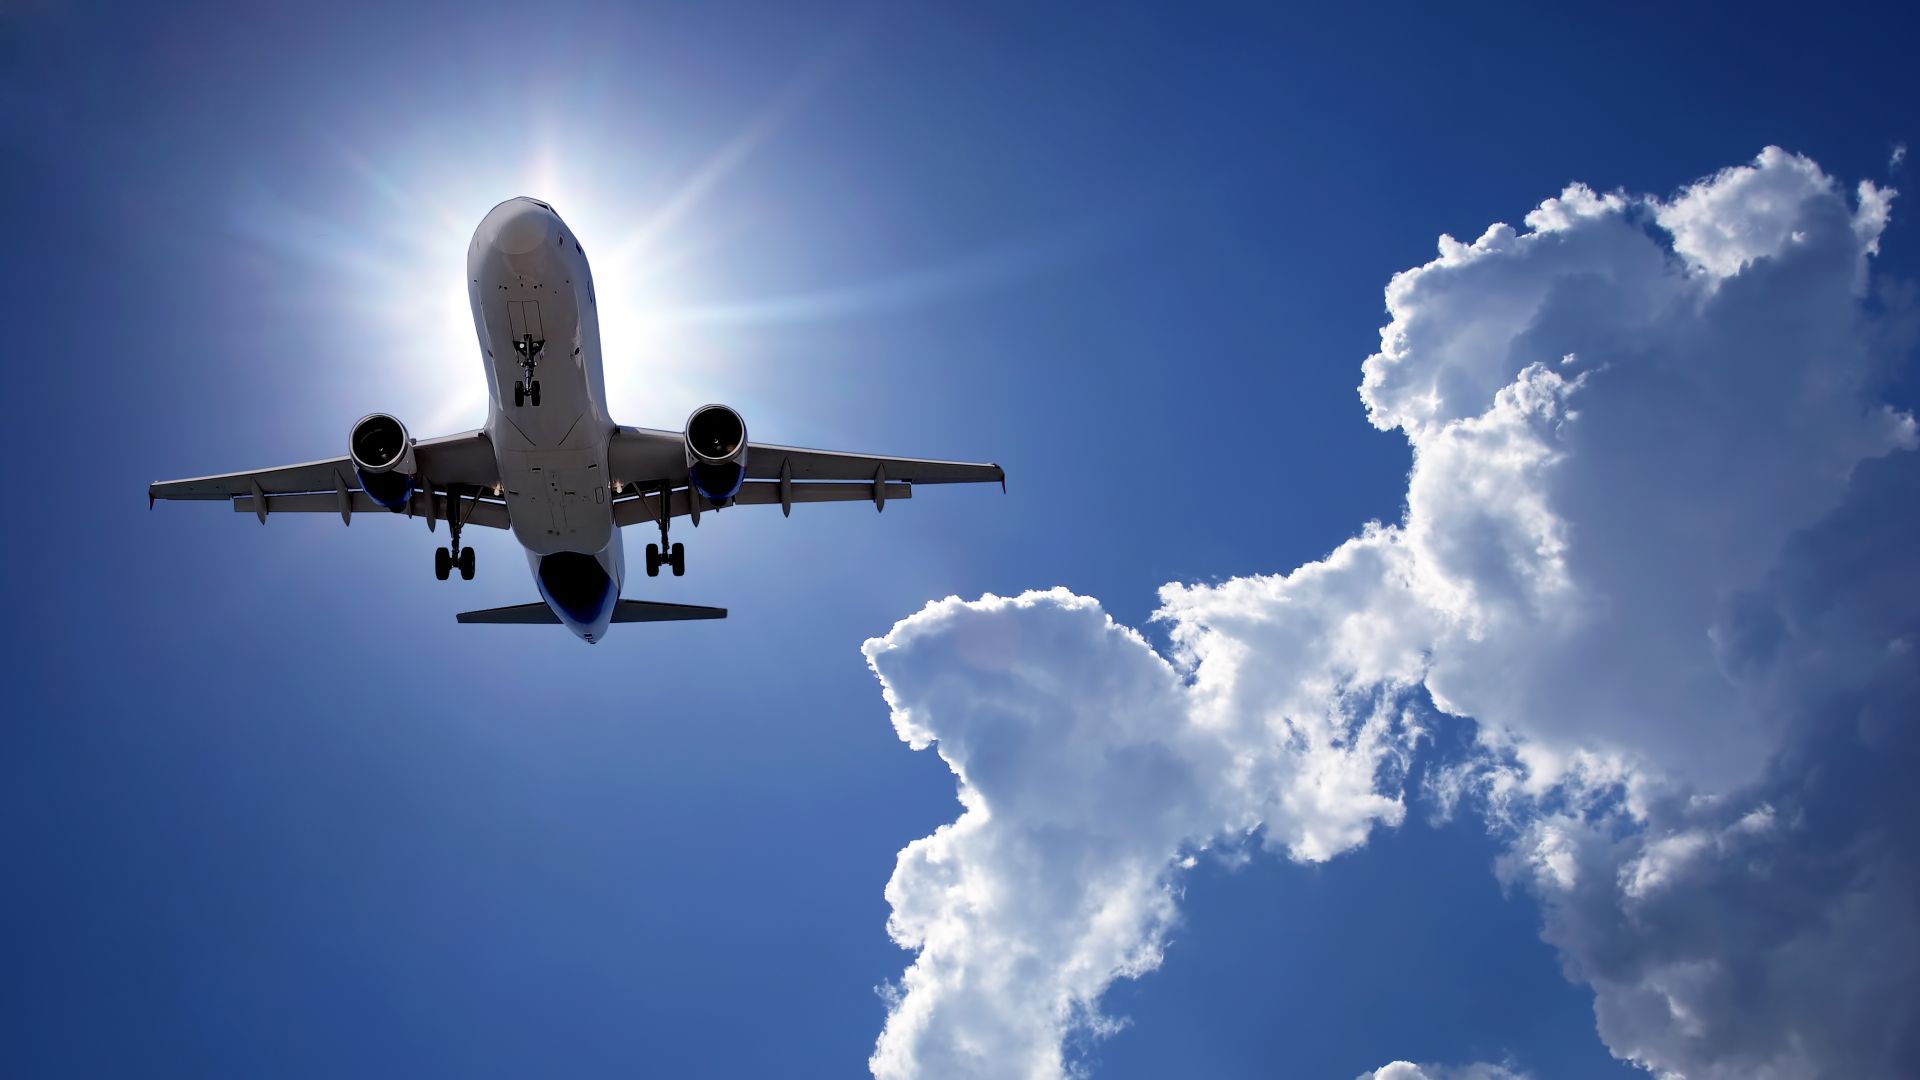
(392, 254)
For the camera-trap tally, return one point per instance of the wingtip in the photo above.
(1003, 478)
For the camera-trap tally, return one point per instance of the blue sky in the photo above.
(265, 810)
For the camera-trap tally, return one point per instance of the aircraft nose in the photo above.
(519, 226)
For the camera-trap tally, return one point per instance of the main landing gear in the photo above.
(444, 561)
(675, 557)
(446, 558)
(527, 390)
(663, 554)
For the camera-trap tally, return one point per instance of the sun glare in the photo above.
(395, 254)
(654, 223)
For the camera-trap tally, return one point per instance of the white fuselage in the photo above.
(532, 296)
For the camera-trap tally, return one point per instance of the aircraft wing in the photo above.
(647, 459)
(330, 486)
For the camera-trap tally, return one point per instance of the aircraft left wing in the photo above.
(329, 485)
(646, 459)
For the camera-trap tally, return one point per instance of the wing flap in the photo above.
(645, 509)
(483, 512)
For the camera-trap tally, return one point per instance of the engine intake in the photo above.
(716, 452)
(382, 454)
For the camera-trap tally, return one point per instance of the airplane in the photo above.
(550, 464)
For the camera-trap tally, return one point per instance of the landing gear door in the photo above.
(523, 323)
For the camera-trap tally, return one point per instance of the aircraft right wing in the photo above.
(645, 460)
(769, 462)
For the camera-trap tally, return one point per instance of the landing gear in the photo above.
(676, 557)
(663, 554)
(526, 391)
(453, 555)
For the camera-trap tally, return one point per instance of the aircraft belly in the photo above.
(557, 499)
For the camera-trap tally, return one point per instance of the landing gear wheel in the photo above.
(653, 560)
(533, 394)
(679, 559)
(442, 563)
(519, 394)
(466, 564)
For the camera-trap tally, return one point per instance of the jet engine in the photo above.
(716, 452)
(382, 454)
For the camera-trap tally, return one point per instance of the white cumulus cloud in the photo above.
(1406, 1070)
(1644, 548)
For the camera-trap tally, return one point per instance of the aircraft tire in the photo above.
(678, 558)
(466, 565)
(442, 563)
(519, 394)
(533, 393)
(653, 560)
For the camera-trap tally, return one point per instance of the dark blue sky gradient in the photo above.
(266, 811)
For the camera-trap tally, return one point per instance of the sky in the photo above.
(1451, 616)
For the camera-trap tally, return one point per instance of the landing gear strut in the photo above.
(663, 554)
(446, 558)
(527, 390)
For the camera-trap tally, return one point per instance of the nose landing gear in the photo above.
(527, 390)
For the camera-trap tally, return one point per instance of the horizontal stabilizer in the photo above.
(653, 611)
(517, 615)
(626, 611)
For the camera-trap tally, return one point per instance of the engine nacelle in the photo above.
(716, 452)
(382, 454)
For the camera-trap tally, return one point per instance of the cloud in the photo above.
(1772, 932)
(1086, 780)
(1645, 548)
(1406, 1070)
